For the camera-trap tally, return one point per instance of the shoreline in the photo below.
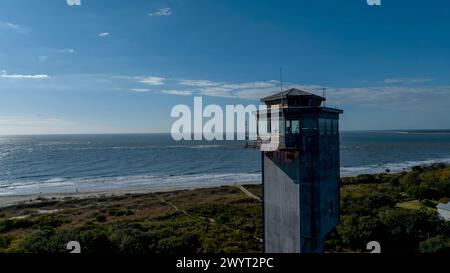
(27, 199)
(33, 198)
(143, 184)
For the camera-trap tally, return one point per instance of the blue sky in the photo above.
(120, 66)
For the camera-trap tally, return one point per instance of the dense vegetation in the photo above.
(397, 210)
(205, 220)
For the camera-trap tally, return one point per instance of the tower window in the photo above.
(329, 127)
(288, 127)
(295, 126)
(322, 126)
(335, 126)
(309, 124)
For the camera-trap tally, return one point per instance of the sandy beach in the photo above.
(11, 200)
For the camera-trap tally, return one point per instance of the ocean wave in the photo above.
(205, 146)
(392, 167)
(147, 147)
(158, 182)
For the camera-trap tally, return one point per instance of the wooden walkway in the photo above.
(248, 193)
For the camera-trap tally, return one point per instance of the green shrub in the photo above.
(52, 220)
(5, 241)
(100, 218)
(186, 243)
(429, 203)
(439, 244)
(131, 240)
(39, 241)
(12, 224)
(94, 239)
(119, 213)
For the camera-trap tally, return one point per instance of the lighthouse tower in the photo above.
(301, 177)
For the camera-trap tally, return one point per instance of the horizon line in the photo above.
(168, 133)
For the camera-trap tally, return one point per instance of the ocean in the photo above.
(77, 163)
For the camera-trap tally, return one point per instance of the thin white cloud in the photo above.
(150, 80)
(12, 26)
(407, 80)
(399, 96)
(250, 85)
(177, 92)
(33, 124)
(198, 83)
(383, 94)
(230, 90)
(73, 2)
(9, 25)
(140, 90)
(161, 12)
(68, 51)
(217, 91)
(5, 75)
(15, 120)
(387, 94)
(104, 34)
(256, 93)
(42, 58)
(393, 92)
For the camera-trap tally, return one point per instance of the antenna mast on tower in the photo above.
(281, 79)
(281, 86)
